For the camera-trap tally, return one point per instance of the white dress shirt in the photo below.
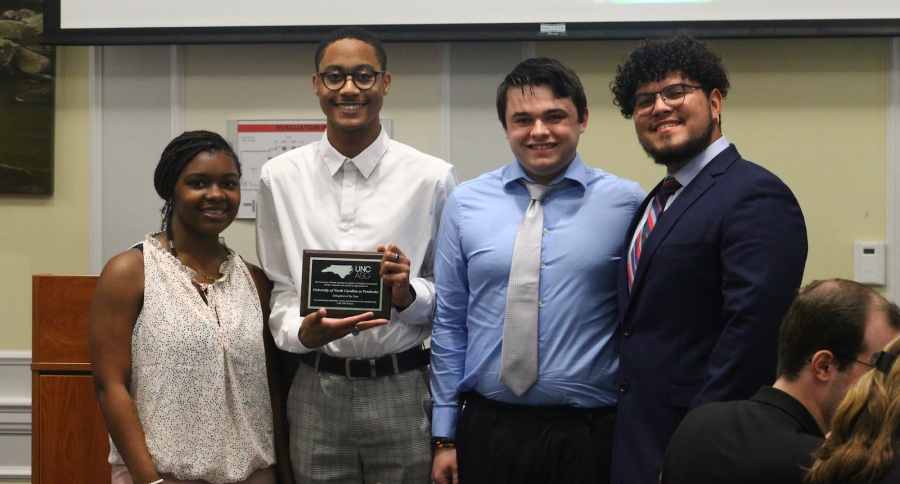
(315, 198)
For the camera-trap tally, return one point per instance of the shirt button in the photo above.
(345, 227)
(623, 388)
(546, 231)
(626, 331)
(540, 304)
(349, 183)
(543, 266)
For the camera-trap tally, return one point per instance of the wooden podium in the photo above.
(69, 442)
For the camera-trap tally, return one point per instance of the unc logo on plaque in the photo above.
(345, 283)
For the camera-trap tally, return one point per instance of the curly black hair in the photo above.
(654, 59)
(179, 152)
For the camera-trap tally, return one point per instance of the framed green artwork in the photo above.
(27, 82)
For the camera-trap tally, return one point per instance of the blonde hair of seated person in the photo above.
(864, 435)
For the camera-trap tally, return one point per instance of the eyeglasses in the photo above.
(363, 79)
(881, 361)
(672, 95)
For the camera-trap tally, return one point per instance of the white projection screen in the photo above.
(101, 22)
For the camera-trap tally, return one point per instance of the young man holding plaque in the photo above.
(525, 329)
(359, 404)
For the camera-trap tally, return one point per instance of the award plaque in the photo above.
(345, 283)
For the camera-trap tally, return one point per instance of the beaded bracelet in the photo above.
(442, 443)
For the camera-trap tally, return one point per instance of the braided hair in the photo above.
(179, 152)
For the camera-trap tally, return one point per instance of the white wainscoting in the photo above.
(15, 416)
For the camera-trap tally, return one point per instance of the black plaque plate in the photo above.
(345, 283)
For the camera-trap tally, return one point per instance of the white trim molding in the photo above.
(15, 358)
(15, 415)
(15, 473)
(95, 150)
(15, 428)
(892, 282)
(15, 386)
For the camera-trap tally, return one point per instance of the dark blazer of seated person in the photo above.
(769, 438)
(831, 329)
(893, 476)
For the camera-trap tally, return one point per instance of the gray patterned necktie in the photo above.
(519, 354)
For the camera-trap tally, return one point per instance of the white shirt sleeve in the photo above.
(284, 320)
(421, 311)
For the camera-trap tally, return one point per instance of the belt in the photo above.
(475, 400)
(391, 364)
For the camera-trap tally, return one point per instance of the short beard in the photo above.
(681, 154)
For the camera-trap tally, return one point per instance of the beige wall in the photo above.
(48, 234)
(810, 110)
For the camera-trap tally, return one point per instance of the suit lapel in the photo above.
(688, 196)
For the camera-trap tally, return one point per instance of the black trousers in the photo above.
(505, 443)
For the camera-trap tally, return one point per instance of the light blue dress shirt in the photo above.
(578, 340)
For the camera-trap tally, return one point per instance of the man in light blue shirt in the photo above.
(558, 427)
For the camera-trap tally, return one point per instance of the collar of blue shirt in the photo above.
(577, 172)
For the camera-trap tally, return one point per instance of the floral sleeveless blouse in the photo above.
(198, 371)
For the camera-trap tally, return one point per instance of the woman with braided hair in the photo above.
(864, 443)
(181, 366)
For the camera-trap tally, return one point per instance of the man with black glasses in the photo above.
(832, 334)
(359, 405)
(710, 263)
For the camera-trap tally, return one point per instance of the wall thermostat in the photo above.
(868, 263)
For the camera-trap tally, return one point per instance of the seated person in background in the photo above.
(830, 332)
(176, 332)
(864, 444)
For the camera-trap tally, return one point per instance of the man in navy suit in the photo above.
(711, 260)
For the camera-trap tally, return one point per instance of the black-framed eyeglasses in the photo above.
(882, 361)
(672, 95)
(363, 79)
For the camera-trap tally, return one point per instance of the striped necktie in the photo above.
(669, 186)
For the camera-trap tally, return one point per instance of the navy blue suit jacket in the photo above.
(714, 280)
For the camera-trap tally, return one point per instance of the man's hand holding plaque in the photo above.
(395, 272)
(317, 329)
